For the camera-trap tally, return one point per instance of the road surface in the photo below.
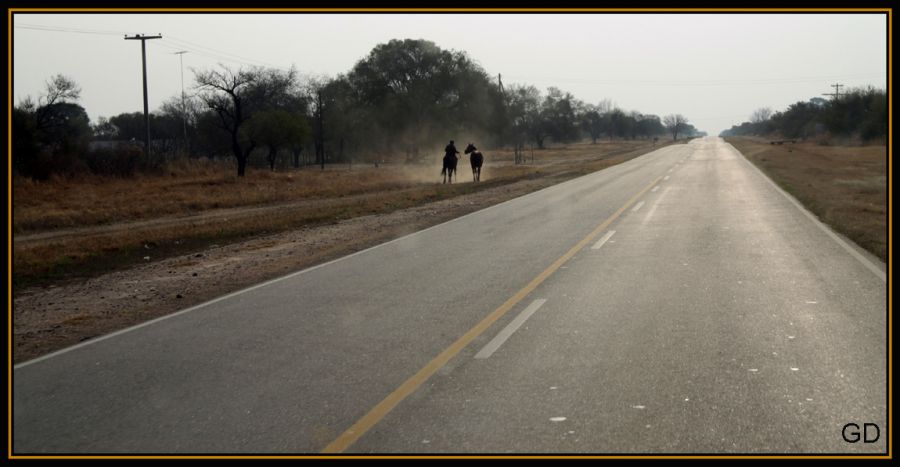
(675, 303)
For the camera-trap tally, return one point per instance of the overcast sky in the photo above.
(713, 68)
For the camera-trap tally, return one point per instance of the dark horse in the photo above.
(477, 159)
(449, 169)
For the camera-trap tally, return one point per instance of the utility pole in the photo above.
(183, 107)
(837, 91)
(143, 40)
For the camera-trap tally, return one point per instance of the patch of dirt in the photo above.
(50, 318)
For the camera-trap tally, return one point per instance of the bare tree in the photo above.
(187, 110)
(675, 123)
(60, 89)
(223, 91)
(316, 91)
(234, 96)
(605, 106)
(761, 115)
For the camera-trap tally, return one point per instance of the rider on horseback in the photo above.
(450, 150)
(450, 160)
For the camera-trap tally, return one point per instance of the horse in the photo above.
(477, 159)
(449, 167)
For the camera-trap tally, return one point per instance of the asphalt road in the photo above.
(675, 303)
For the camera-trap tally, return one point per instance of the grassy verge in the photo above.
(318, 197)
(845, 186)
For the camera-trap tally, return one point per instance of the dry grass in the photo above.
(268, 202)
(845, 186)
(200, 186)
(95, 200)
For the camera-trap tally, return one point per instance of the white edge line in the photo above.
(603, 240)
(654, 189)
(637, 206)
(862, 259)
(666, 177)
(508, 331)
(257, 286)
(297, 273)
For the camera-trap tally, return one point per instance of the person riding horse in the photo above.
(450, 160)
(450, 150)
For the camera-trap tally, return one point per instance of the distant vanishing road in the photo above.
(675, 303)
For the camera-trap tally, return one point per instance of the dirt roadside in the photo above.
(54, 317)
(846, 187)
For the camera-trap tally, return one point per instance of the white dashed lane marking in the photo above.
(510, 328)
(603, 240)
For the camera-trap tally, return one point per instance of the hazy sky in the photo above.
(713, 68)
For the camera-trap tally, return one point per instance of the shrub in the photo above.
(119, 161)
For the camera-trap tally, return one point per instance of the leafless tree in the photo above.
(761, 115)
(675, 123)
(605, 106)
(60, 89)
(234, 96)
(316, 91)
(223, 91)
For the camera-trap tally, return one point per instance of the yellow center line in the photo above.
(409, 386)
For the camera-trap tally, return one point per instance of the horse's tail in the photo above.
(443, 171)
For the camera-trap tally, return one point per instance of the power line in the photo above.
(216, 57)
(779, 81)
(172, 45)
(37, 27)
(220, 52)
(164, 44)
(719, 117)
(222, 55)
(193, 50)
(179, 44)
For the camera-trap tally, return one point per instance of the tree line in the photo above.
(860, 113)
(400, 103)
